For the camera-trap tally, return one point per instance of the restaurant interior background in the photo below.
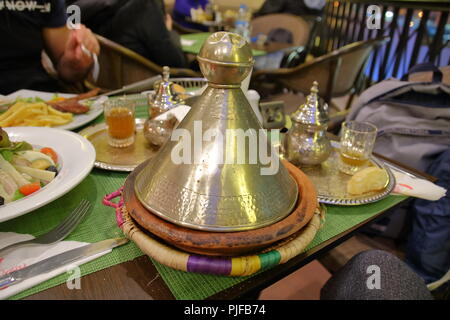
(411, 32)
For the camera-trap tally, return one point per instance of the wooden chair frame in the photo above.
(335, 59)
(145, 63)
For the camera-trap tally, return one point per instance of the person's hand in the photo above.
(71, 51)
(88, 39)
(79, 46)
(169, 22)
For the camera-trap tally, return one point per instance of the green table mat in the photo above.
(101, 224)
(200, 38)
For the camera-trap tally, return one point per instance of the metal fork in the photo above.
(59, 232)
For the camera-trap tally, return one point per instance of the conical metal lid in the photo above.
(200, 181)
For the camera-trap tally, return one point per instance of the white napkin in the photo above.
(187, 42)
(179, 112)
(416, 187)
(253, 97)
(28, 255)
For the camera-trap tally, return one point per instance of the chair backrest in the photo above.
(299, 28)
(338, 72)
(120, 66)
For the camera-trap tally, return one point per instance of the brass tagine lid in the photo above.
(165, 97)
(312, 112)
(200, 181)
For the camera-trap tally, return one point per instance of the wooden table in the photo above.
(139, 279)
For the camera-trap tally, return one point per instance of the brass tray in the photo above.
(119, 159)
(331, 184)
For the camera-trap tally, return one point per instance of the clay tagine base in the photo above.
(224, 243)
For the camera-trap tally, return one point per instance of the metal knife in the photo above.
(143, 85)
(59, 260)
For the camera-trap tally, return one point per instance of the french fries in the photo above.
(34, 115)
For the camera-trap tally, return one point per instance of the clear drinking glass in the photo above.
(120, 121)
(357, 142)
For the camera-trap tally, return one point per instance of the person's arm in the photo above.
(65, 49)
(161, 41)
(174, 36)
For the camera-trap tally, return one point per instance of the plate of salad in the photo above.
(82, 108)
(39, 165)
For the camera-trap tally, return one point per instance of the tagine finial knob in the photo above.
(225, 59)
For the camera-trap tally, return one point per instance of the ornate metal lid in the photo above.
(205, 182)
(312, 112)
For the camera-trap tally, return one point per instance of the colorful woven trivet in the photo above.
(230, 266)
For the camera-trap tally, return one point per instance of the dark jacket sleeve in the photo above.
(160, 44)
(136, 24)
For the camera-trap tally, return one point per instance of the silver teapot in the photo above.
(165, 96)
(306, 142)
(156, 132)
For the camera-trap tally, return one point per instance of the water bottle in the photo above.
(242, 24)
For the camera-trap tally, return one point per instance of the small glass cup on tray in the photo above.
(120, 121)
(356, 146)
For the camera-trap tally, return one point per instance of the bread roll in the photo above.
(366, 180)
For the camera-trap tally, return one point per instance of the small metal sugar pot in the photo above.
(165, 96)
(306, 142)
(156, 132)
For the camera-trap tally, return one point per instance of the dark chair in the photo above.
(299, 34)
(300, 54)
(338, 73)
(298, 27)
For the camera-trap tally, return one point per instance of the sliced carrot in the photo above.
(29, 188)
(51, 153)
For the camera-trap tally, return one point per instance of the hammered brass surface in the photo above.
(224, 243)
(206, 192)
(213, 196)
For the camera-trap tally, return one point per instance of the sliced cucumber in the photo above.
(37, 173)
(10, 170)
(35, 155)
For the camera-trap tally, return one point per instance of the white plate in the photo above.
(76, 155)
(78, 120)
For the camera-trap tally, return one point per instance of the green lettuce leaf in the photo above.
(7, 155)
